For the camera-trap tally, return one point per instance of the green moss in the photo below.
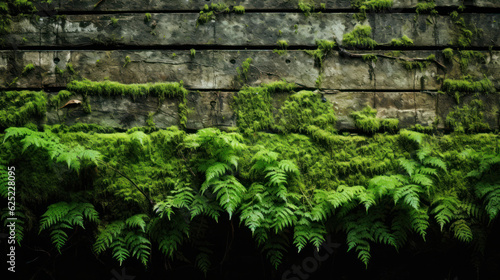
(307, 7)
(20, 107)
(127, 61)
(468, 118)
(465, 58)
(366, 120)
(192, 52)
(391, 125)
(324, 48)
(239, 10)
(149, 121)
(394, 53)
(448, 53)
(369, 5)
(28, 68)
(304, 110)
(359, 38)
(370, 57)
(61, 96)
(410, 65)
(253, 106)
(427, 7)
(114, 21)
(79, 127)
(243, 71)
(403, 42)
(282, 44)
(147, 17)
(467, 85)
(322, 6)
(209, 13)
(160, 90)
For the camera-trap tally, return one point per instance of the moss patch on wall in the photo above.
(18, 108)
(360, 37)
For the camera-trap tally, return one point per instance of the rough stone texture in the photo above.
(210, 109)
(253, 29)
(344, 103)
(196, 5)
(118, 112)
(398, 105)
(216, 69)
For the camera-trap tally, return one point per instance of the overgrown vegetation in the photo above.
(369, 5)
(367, 121)
(468, 118)
(466, 86)
(359, 38)
(380, 189)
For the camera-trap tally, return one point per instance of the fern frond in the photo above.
(436, 162)
(490, 194)
(444, 209)
(107, 235)
(408, 165)
(462, 230)
(201, 205)
(138, 245)
(137, 221)
(203, 262)
(419, 221)
(229, 193)
(412, 135)
(409, 194)
(119, 249)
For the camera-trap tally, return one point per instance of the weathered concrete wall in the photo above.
(216, 69)
(249, 30)
(196, 5)
(86, 44)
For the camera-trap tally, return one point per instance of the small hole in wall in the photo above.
(56, 60)
(287, 61)
(233, 61)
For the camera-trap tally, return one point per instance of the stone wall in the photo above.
(97, 47)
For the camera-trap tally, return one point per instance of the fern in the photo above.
(75, 157)
(490, 194)
(125, 238)
(444, 209)
(63, 215)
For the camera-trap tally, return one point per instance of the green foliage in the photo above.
(305, 109)
(243, 72)
(359, 38)
(367, 121)
(239, 10)
(307, 7)
(63, 215)
(160, 90)
(467, 85)
(427, 7)
(403, 42)
(20, 107)
(28, 68)
(468, 118)
(448, 53)
(127, 61)
(254, 108)
(114, 21)
(147, 17)
(324, 48)
(369, 5)
(466, 56)
(192, 52)
(209, 13)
